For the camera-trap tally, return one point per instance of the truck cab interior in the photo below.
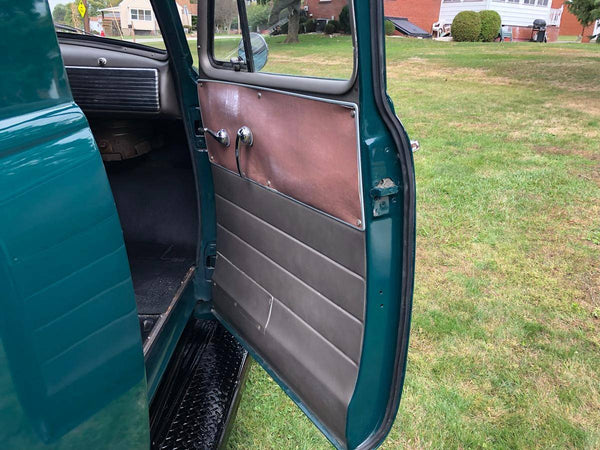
(127, 93)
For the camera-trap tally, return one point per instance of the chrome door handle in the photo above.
(221, 136)
(245, 136)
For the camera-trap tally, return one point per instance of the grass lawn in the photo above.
(505, 344)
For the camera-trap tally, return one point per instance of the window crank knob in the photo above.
(220, 136)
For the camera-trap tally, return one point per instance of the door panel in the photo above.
(300, 308)
(284, 156)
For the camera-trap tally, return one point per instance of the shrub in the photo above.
(311, 26)
(389, 28)
(466, 26)
(345, 20)
(336, 24)
(329, 28)
(490, 25)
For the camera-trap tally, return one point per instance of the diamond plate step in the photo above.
(199, 393)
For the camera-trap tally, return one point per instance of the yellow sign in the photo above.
(81, 8)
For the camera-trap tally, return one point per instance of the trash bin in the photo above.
(538, 32)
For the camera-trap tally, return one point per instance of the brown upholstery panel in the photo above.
(304, 148)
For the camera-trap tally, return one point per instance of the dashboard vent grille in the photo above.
(111, 89)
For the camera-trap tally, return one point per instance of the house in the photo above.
(569, 25)
(519, 14)
(96, 24)
(136, 16)
(324, 10)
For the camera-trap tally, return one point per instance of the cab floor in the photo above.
(157, 271)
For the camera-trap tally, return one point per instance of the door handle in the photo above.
(221, 136)
(244, 135)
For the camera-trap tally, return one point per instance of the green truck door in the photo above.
(315, 228)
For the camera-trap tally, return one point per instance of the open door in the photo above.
(314, 197)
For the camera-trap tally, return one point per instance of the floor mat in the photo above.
(157, 271)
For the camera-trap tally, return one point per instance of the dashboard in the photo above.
(124, 80)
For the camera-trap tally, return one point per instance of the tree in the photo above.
(293, 14)
(94, 6)
(586, 11)
(345, 20)
(225, 12)
(59, 13)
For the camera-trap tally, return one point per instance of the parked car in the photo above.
(160, 222)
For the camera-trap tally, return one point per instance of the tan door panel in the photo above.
(304, 148)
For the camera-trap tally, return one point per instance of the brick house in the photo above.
(569, 26)
(324, 9)
(423, 13)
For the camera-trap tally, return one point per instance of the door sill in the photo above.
(162, 319)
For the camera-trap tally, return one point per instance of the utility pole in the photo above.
(86, 17)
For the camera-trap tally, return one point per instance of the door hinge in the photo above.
(210, 259)
(382, 194)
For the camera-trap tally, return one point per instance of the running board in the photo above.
(200, 391)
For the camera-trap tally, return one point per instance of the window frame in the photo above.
(226, 71)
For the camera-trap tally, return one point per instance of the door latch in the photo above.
(382, 194)
(244, 136)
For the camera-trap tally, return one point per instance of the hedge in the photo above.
(466, 26)
(490, 25)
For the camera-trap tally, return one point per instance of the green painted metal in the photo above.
(160, 354)
(186, 82)
(71, 363)
(374, 393)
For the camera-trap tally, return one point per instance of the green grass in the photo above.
(505, 344)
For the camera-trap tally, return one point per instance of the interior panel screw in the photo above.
(353, 113)
(259, 95)
(268, 183)
(359, 222)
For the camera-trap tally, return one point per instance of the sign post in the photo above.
(83, 11)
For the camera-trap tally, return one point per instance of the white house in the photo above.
(518, 14)
(136, 16)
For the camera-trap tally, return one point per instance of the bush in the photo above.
(329, 28)
(490, 25)
(336, 24)
(311, 26)
(389, 28)
(345, 20)
(466, 26)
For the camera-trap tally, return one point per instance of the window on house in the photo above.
(141, 14)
